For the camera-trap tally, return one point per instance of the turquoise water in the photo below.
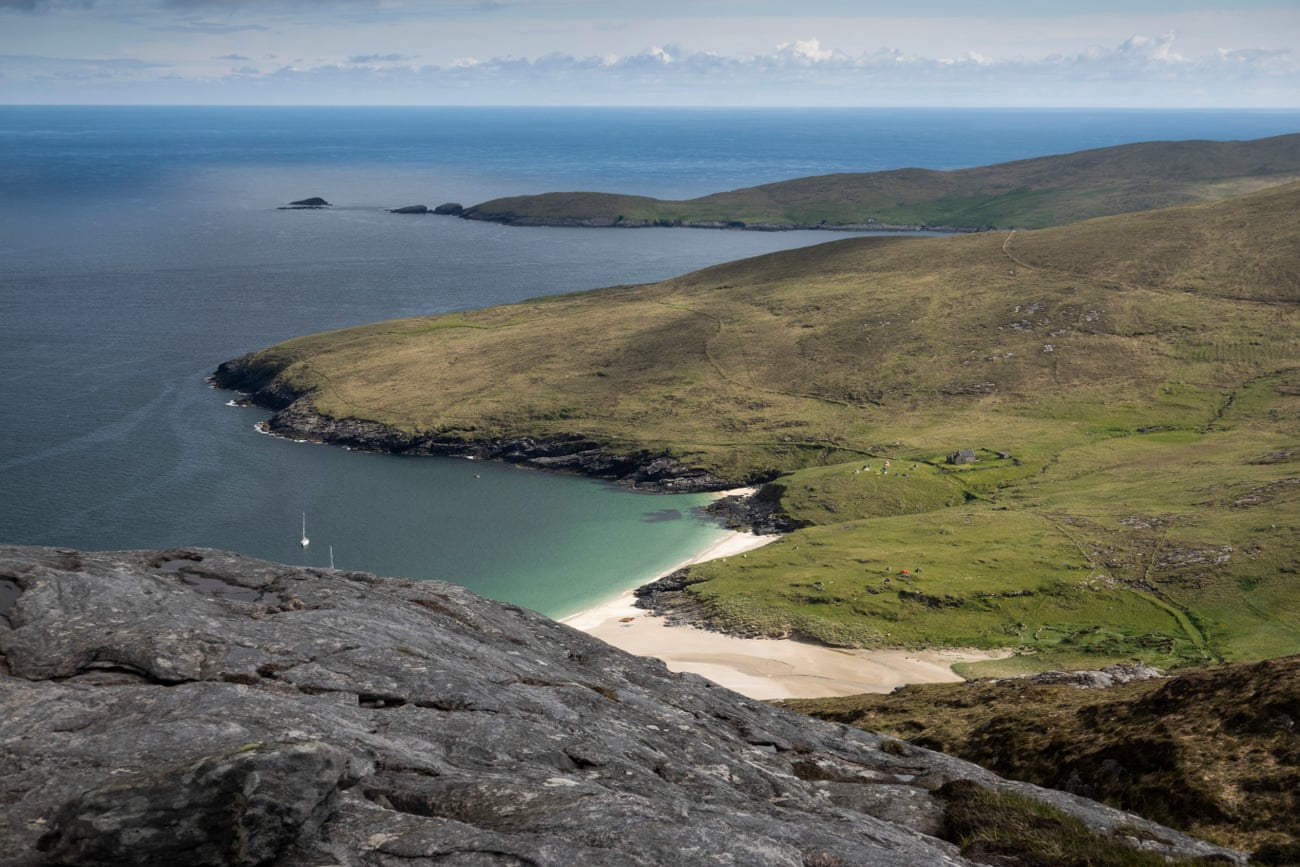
(140, 247)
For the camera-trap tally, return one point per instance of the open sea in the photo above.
(141, 247)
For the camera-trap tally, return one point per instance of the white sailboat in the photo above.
(331, 556)
(304, 541)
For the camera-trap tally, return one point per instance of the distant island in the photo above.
(1027, 194)
(1033, 193)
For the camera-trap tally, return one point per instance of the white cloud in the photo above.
(1134, 59)
(379, 58)
(43, 5)
(1157, 48)
(803, 51)
(578, 51)
(204, 25)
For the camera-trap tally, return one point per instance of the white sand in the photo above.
(757, 667)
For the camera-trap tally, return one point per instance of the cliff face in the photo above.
(197, 707)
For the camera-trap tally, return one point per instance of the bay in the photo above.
(140, 247)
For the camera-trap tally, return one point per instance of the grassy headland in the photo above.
(1130, 386)
(1033, 193)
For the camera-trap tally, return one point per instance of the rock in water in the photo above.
(410, 209)
(198, 707)
(313, 202)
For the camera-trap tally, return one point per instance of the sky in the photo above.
(976, 53)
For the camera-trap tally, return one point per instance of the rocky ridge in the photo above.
(195, 706)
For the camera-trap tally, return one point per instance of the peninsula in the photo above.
(1076, 444)
(1033, 193)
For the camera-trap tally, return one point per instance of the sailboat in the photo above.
(331, 556)
(305, 541)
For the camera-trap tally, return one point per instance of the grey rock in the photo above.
(450, 209)
(410, 209)
(155, 704)
(1104, 678)
(760, 513)
(242, 808)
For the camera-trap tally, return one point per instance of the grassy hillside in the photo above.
(1212, 752)
(1131, 387)
(1033, 193)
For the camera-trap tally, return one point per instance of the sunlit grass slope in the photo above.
(1045, 191)
(1130, 387)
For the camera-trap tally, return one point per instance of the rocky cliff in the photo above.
(198, 707)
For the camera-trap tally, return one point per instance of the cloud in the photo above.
(37, 69)
(1158, 48)
(43, 5)
(808, 62)
(804, 52)
(243, 4)
(798, 69)
(206, 26)
(1140, 70)
(1134, 58)
(380, 58)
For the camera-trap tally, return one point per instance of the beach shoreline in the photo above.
(762, 668)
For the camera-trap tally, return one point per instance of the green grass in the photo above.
(1047, 191)
(971, 576)
(1131, 386)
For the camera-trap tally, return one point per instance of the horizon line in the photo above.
(677, 107)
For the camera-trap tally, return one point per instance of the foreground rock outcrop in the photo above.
(198, 707)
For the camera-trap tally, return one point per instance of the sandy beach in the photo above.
(757, 667)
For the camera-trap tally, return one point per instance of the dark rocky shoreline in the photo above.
(294, 417)
(509, 219)
(475, 212)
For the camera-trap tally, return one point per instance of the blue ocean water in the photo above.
(140, 247)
